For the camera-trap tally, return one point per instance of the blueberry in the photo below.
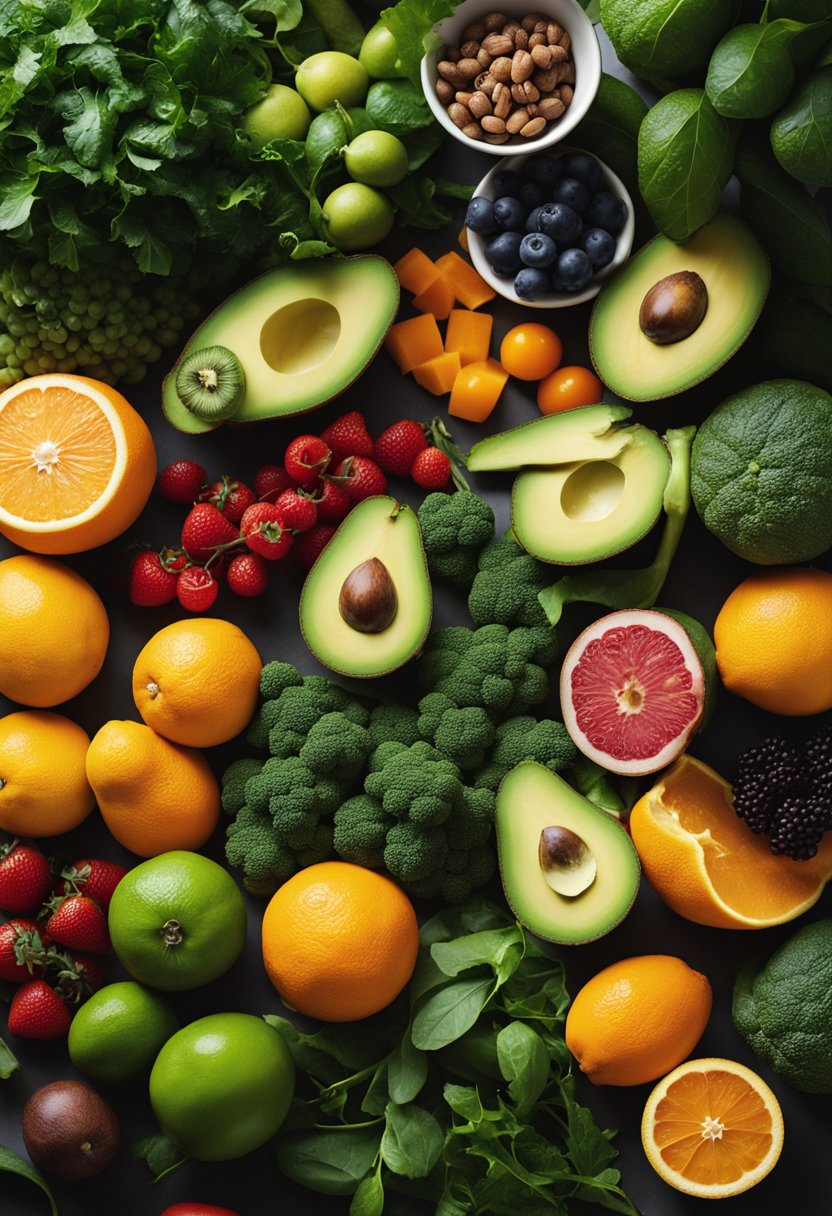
(503, 253)
(572, 192)
(606, 211)
(599, 247)
(559, 222)
(531, 283)
(506, 182)
(480, 216)
(545, 170)
(532, 194)
(532, 224)
(574, 270)
(586, 169)
(510, 214)
(538, 250)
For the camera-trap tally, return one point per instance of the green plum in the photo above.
(282, 114)
(331, 76)
(376, 159)
(380, 54)
(357, 216)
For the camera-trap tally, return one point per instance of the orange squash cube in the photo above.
(413, 342)
(415, 271)
(468, 287)
(438, 298)
(438, 375)
(469, 334)
(477, 390)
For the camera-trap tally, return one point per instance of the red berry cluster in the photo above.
(46, 952)
(234, 531)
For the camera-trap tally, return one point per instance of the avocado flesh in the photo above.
(302, 332)
(378, 527)
(531, 798)
(736, 273)
(581, 434)
(590, 509)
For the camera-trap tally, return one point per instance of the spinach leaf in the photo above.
(412, 1141)
(685, 158)
(801, 134)
(751, 72)
(331, 1162)
(663, 39)
(524, 1062)
(411, 23)
(368, 1200)
(414, 199)
(489, 946)
(449, 1012)
(398, 107)
(12, 1164)
(407, 1071)
(8, 1061)
(160, 1155)
(611, 125)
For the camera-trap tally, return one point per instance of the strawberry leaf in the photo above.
(8, 1061)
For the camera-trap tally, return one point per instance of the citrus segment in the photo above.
(708, 866)
(712, 1128)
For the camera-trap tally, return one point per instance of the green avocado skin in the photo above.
(761, 472)
(784, 1013)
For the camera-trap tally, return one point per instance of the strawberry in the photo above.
(37, 1012)
(150, 585)
(248, 575)
(360, 478)
(299, 512)
(229, 497)
(306, 459)
(78, 922)
(92, 877)
(181, 481)
(271, 480)
(22, 951)
(75, 976)
(332, 502)
(348, 436)
(204, 530)
(264, 531)
(398, 447)
(431, 469)
(25, 877)
(313, 542)
(196, 589)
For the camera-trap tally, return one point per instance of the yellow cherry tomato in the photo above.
(567, 388)
(531, 351)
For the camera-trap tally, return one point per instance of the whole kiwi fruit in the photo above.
(211, 383)
(70, 1132)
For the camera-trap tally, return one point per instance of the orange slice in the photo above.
(712, 1128)
(708, 866)
(77, 463)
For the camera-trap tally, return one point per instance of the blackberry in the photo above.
(801, 823)
(818, 752)
(764, 774)
(786, 793)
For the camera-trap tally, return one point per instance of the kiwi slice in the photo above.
(211, 383)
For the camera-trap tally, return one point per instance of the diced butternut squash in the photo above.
(415, 271)
(415, 341)
(468, 287)
(462, 239)
(469, 334)
(477, 390)
(438, 375)
(438, 298)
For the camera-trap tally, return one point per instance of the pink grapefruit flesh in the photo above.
(632, 691)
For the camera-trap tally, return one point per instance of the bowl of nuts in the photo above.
(506, 81)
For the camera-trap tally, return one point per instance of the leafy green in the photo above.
(662, 39)
(751, 72)
(411, 23)
(801, 134)
(611, 125)
(12, 1164)
(793, 334)
(8, 1061)
(160, 1155)
(800, 10)
(685, 158)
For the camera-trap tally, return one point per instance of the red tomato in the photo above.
(567, 388)
(531, 351)
(198, 1209)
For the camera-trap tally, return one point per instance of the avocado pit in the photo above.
(368, 601)
(566, 861)
(70, 1131)
(673, 308)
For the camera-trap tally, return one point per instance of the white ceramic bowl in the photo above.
(586, 55)
(559, 299)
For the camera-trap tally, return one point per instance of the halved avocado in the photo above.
(736, 273)
(302, 332)
(531, 799)
(589, 432)
(378, 531)
(590, 509)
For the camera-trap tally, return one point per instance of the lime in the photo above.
(379, 54)
(282, 114)
(376, 159)
(118, 1031)
(329, 133)
(221, 1086)
(331, 76)
(357, 216)
(177, 921)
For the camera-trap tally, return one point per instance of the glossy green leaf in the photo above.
(12, 1164)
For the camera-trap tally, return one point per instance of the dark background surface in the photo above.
(702, 576)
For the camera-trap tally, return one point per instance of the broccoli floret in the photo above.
(455, 527)
(492, 670)
(336, 747)
(524, 738)
(320, 847)
(393, 723)
(414, 784)
(412, 852)
(472, 819)
(277, 676)
(463, 735)
(290, 717)
(504, 591)
(361, 827)
(234, 783)
(294, 796)
(254, 847)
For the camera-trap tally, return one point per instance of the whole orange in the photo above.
(339, 941)
(197, 681)
(774, 640)
(43, 780)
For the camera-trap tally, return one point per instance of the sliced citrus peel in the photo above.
(712, 1128)
(708, 866)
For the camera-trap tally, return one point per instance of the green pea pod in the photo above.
(342, 27)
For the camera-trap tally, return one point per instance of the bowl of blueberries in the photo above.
(548, 231)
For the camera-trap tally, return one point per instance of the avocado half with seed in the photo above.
(366, 605)
(302, 333)
(591, 483)
(734, 273)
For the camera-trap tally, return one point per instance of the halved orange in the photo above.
(77, 463)
(706, 863)
(712, 1128)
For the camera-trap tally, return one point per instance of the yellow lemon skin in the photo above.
(43, 780)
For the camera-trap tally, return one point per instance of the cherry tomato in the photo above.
(531, 351)
(567, 388)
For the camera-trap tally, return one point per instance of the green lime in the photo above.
(177, 921)
(376, 159)
(357, 216)
(379, 54)
(221, 1086)
(282, 114)
(331, 76)
(117, 1033)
